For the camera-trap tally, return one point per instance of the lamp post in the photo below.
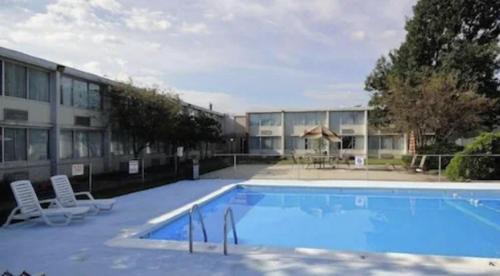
(231, 141)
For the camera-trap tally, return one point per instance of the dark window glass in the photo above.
(38, 85)
(1, 143)
(348, 142)
(66, 144)
(15, 144)
(39, 144)
(66, 91)
(373, 142)
(94, 96)
(15, 80)
(95, 143)
(1, 81)
(80, 94)
(81, 144)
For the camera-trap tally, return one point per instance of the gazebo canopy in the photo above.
(319, 132)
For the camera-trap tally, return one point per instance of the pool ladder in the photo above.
(195, 208)
(227, 214)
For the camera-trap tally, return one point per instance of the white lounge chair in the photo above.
(28, 207)
(67, 197)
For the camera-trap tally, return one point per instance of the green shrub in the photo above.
(406, 159)
(432, 162)
(464, 167)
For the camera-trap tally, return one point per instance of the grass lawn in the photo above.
(394, 161)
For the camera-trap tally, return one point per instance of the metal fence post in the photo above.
(366, 167)
(90, 177)
(234, 161)
(142, 169)
(439, 168)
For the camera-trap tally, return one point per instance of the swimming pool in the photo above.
(449, 223)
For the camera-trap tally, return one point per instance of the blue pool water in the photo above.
(452, 223)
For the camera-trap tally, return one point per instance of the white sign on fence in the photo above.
(180, 151)
(133, 166)
(359, 161)
(77, 169)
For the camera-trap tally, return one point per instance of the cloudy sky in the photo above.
(240, 55)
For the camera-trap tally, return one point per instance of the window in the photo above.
(373, 142)
(118, 143)
(306, 144)
(81, 144)
(38, 85)
(270, 143)
(1, 143)
(95, 143)
(348, 142)
(353, 118)
(66, 91)
(94, 96)
(265, 119)
(66, 144)
(254, 143)
(15, 80)
(1, 88)
(15, 144)
(80, 94)
(304, 119)
(291, 143)
(38, 144)
(392, 142)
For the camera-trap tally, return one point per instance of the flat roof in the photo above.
(354, 108)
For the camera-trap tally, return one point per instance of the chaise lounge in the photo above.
(28, 207)
(67, 197)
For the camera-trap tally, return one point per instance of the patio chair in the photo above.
(67, 197)
(421, 166)
(412, 163)
(28, 207)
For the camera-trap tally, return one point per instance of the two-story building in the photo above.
(53, 116)
(279, 132)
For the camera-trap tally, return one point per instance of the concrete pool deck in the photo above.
(279, 171)
(80, 248)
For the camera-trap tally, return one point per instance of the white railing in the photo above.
(418, 167)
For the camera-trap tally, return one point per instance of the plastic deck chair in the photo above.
(67, 197)
(28, 207)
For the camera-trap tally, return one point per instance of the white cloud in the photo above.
(195, 28)
(294, 41)
(339, 95)
(146, 20)
(92, 67)
(110, 5)
(104, 38)
(358, 35)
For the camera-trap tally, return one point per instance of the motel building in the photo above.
(279, 132)
(53, 116)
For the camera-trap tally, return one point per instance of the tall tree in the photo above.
(209, 130)
(456, 37)
(434, 106)
(142, 114)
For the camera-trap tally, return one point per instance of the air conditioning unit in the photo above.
(15, 114)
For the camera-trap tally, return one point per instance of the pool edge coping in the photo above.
(131, 238)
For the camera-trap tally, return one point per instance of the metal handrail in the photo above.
(194, 208)
(229, 211)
